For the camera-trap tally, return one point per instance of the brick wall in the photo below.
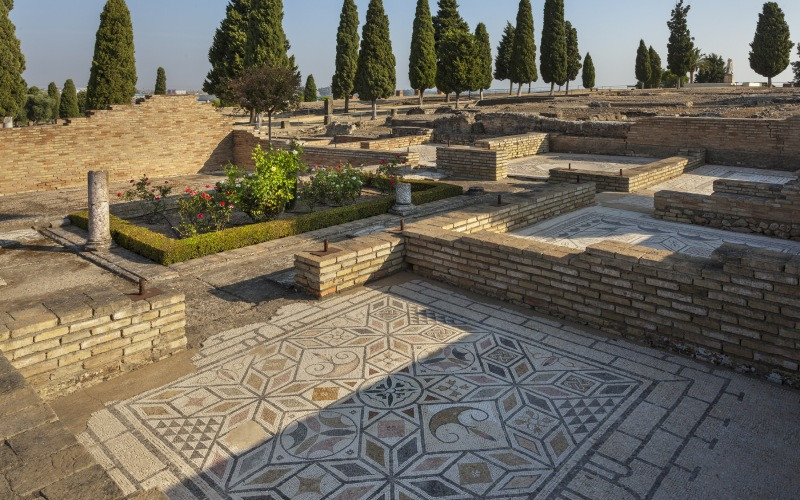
(473, 163)
(162, 136)
(87, 337)
(518, 146)
(398, 142)
(406, 131)
(587, 145)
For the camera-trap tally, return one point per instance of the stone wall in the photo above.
(162, 136)
(518, 146)
(86, 337)
(398, 142)
(473, 163)
(588, 145)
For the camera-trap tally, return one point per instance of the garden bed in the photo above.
(165, 250)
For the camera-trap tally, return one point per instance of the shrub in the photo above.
(202, 213)
(387, 175)
(155, 197)
(331, 185)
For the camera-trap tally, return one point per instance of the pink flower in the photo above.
(199, 216)
(158, 198)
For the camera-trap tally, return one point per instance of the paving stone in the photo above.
(45, 439)
(19, 399)
(91, 483)
(154, 494)
(8, 459)
(32, 416)
(35, 474)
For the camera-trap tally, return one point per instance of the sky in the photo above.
(58, 36)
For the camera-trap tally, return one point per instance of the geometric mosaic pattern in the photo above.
(592, 225)
(388, 398)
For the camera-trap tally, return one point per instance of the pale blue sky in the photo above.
(58, 35)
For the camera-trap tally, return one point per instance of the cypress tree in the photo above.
(9, 4)
(113, 76)
(553, 60)
(502, 63)
(226, 54)
(55, 96)
(588, 72)
(310, 92)
(82, 102)
(13, 88)
(573, 54)
(796, 67)
(681, 43)
(523, 53)
(457, 65)
(656, 71)
(266, 41)
(447, 19)
(346, 54)
(643, 71)
(422, 63)
(771, 47)
(375, 77)
(483, 59)
(161, 82)
(68, 108)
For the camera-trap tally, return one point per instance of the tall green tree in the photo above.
(523, 54)
(696, 62)
(457, 65)
(771, 47)
(9, 4)
(643, 70)
(422, 63)
(376, 77)
(13, 89)
(573, 54)
(346, 54)
(38, 106)
(502, 63)
(796, 67)
(227, 51)
(681, 43)
(161, 82)
(588, 72)
(55, 96)
(68, 108)
(447, 19)
(712, 70)
(656, 71)
(82, 102)
(553, 58)
(483, 59)
(113, 76)
(266, 41)
(310, 92)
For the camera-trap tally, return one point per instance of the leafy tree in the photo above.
(13, 88)
(643, 70)
(227, 51)
(68, 107)
(446, 20)
(483, 59)
(38, 106)
(346, 54)
(502, 63)
(310, 93)
(82, 102)
(523, 53)
(796, 67)
(712, 70)
(573, 54)
(422, 63)
(375, 78)
(113, 76)
(553, 59)
(161, 82)
(266, 41)
(656, 71)
(456, 67)
(696, 62)
(681, 43)
(588, 72)
(771, 47)
(267, 89)
(670, 79)
(55, 96)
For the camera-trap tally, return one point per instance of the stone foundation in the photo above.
(473, 163)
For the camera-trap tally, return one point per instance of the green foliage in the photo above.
(483, 59)
(681, 43)
(153, 196)
(670, 79)
(712, 70)
(161, 82)
(13, 88)
(68, 107)
(656, 71)
(338, 185)
(227, 51)
(771, 47)
(82, 102)
(113, 75)
(201, 212)
(796, 67)
(553, 61)
(422, 63)
(456, 64)
(588, 75)
(573, 53)
(38, 106)
(266, 41)
(385, 178)
(446, 19)
(696, 62)
(523, 53)
(55, 96)
(346, 51)
(643, 69)
(267, 89)
(310, 91)
(166, 251)
(502, 63)
(376, 78)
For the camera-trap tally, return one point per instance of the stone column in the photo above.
(99, 218)
(328, 111)
(8, 122)
(403, 205)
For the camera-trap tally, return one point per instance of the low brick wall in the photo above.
(518, 146)
(403, 131)
(744, 207)
(632, 179)
(87, 337)
(398, 142)
(587, 145)
(473, 163)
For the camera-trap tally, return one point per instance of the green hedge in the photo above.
(166, 251)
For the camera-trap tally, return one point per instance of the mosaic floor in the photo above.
(540, 165)
(592, 225)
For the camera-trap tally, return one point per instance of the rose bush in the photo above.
(338, 185)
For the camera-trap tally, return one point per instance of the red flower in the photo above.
(158, 198)
(222, 203)
(392, 183)
(131, 181)
(119, 195)
(199, 216)
(188, 190)
(208, 186)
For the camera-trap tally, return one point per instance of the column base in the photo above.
(97, 246)
(402, 210)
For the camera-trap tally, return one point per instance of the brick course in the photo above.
(518, 146)
(473, 163)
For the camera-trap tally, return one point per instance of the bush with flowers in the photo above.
(387, 176)
(201, 212)
(338, 185)
(154, 196)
